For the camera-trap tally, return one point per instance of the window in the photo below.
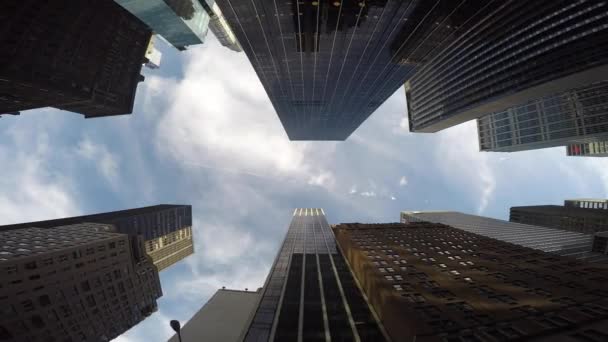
(44, 300)
(388, 277)
(30, 265)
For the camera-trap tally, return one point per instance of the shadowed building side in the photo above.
(80, 56)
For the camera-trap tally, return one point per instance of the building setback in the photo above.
(582, 220)
(80, 56)
(550, 240)
(179, 22)
(577, 115)
(310, 294)
(592, 149)
(432, 282)
(520, 51)
(166, 229)
(327, 65)
(81, 282)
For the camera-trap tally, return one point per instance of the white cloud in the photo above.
(106, 162)
(30, 188)
(462, 163)
(403, 181)
(353, 190)
(220, 115)
(393, 198)
(368, 194)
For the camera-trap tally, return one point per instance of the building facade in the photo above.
(520, 51)
(222, 318)
(577, 115)
(592, 149)
(550, 240)
(328, 65)
(166, 229)
(179, 22)
(310, 293)
(582, 220)
(432, 282)
(80, 56)
(592, 203)
(81, 282)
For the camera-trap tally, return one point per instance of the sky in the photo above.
(203, 132)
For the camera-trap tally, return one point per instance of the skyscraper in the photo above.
(592, 149)
(80, 56)
(82, 282)
(179, 22)
(520, 51)
(327, 65)
(166, 229)
(556, 241)
(310, 294)
(582, 220)
(578, 115)
(432, 282)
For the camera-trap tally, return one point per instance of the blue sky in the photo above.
(203, 132)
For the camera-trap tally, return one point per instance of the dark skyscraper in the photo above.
(582, 220)
(327, 65)
(310, 293)
(520, 51)
(81, 282)
(576, 115)
(593, 203)
(166, 229)
(80, 56)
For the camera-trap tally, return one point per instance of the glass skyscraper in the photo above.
(180, 22)
(521, 50)
(592, 149)
(310, 293)
(578, 115)
(327, 65)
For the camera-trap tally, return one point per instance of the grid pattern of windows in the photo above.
(171, 248)
(310, 293)
(327, 65)
(561, 242)
(582, 220)
(592, 149)
(85, 283)
(80, 56)
(453, 285)
(520, 51)
(576, 115)
(587, 203)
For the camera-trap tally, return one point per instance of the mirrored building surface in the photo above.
(179, 22)
(328, 65)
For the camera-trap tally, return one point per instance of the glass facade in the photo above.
(577, 115)
(328, 65)
(310, 293)
(521, 50)
(180, 22)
